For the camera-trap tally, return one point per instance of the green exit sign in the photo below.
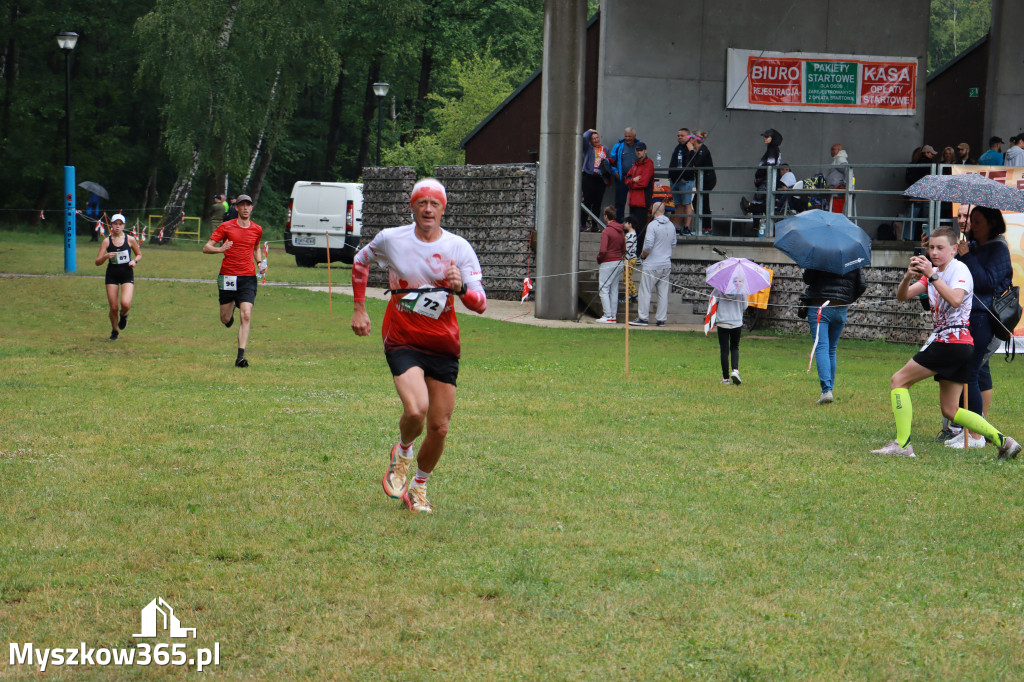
(972, 92)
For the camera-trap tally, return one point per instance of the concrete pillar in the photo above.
(558, 177)
(1004, 96)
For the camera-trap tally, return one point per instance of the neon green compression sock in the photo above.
(975, 422)
(903, 412)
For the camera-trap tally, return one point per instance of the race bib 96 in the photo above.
(227, 282)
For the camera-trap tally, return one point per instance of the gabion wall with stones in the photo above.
(876, 315)
(492, 207)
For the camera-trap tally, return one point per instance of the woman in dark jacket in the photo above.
(987, 256)
(840, 291)
(709, 179)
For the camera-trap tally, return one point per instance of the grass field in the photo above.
(587, 525)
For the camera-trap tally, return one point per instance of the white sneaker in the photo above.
(736, 377)
(605, 320)
(894, 448)
(957, 442)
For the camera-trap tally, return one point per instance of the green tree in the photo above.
(481, 83)
(955, 25)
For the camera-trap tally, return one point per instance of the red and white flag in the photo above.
(817, 332)
(161, 235)
(99, 228)
(527, 288)
(712, 315)
(41, 216)
(266, 258)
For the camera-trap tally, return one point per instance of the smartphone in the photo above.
(920, 251)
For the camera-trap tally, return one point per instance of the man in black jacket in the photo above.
(682, 176)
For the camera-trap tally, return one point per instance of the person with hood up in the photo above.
(609, 259)
(772, 157)
(658, 243)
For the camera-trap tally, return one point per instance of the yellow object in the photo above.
(179, 232)
(760, 299)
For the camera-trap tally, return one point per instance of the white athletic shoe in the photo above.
(957, 442)
(894, 448)
(605, 320)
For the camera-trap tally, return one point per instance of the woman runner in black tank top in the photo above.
(121, 254)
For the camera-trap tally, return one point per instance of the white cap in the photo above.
(116, 217)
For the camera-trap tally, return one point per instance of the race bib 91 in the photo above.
(227, 282)
(430, 304)
(122, 257)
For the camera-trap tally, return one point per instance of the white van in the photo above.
(322, 211)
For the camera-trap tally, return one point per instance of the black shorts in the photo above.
(120, 275)
(950, 361)
(443, 368)
(246, 291)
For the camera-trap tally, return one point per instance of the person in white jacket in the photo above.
(659, 241)
(729, 322)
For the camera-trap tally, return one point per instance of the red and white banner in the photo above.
(803, 81)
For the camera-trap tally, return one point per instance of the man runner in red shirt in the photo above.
(427, 268)
(239, 240)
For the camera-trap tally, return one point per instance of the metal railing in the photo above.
(778, 203)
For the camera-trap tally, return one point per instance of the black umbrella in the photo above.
(95, 188)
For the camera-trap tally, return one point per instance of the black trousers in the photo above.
(729, 344)
(593, 192)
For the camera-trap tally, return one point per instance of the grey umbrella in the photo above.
(969, 188)
(95, 188)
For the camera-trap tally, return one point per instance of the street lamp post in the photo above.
(381, 90)
(67, 41)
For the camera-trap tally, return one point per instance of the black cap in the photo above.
(995, 139)
(640, 145)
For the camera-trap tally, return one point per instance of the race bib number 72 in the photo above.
(430, 304)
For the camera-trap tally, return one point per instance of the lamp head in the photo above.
(380, 89)
(67, 40)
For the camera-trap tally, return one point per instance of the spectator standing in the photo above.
(640, 181)
(772, 157)
(963, 155)
(1015, 154)
(682, 176)
(994, 155)
(609, 259)
(987, 256)
(729, 322)
(622, 158)
(709, 179)
(594, 156)
(836, 177)
(912, 229)
(232, 211)
(840, 291)
(659, 241)
(630, 256)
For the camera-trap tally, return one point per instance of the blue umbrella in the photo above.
(821, 240)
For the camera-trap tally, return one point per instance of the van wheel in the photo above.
(305, 261)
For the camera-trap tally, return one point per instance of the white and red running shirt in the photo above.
(415, 264)
(951, 325)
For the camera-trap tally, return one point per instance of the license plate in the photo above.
(303, 241)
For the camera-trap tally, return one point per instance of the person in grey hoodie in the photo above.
(730, 323)
(659, 241)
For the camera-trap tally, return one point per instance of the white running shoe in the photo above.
(395, 478)
(957, 442)
(894, 448)
(605, 320)
(1009, 448)
(736, 377)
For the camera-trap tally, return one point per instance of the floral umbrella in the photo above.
(969, 188)
(738, 276)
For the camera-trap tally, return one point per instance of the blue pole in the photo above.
(69, 218)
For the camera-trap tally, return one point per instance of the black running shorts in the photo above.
(120, 275)
(439, 367)
(950, 361)
(246, 292)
